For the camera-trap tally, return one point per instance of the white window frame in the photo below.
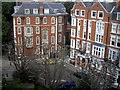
(53, 39)
(45, 22)
(114, 26)
(112, 40)
(92, 14)
(72, 53)
(118, 15)
(59, 37)
(73, 31)
(27, 29)
(37, 38)
(100, 38)
(60, 28)
(27, 12)
(73, 22)
(37, 19)
(52, 20)
(118, 37)
(99, 13)
(118, 31)
(98, 50)
(78, 28)
(37, 28)
(72, 43)
(77, 44)
(28, 20)
(89, 35)
(111, 54)
(19, 29)
(52, 29)
(18, 19)
(35, 11)
(19, 40)
(46, 11)
(84, 13)
(84, 34)
(76, 12)
(88, 47)
(60, 19)
(83, 45)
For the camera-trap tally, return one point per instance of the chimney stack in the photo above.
(117, 3)
(41, 7)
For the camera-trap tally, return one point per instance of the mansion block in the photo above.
(95, 32)
(37, 24)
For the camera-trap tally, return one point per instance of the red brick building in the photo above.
(95, 32)
(38, 23)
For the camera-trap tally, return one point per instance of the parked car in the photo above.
(67, 86)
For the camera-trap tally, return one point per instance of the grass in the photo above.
(16, 84)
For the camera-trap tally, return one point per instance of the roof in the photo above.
(89, 4)
(108, 5)
(114, 14)
(60, 9)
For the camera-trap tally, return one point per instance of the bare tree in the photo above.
(52, 63)
(99, 75)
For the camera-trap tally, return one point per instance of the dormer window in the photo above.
(46, 11)
(55, 10)
(100, 14)
(16, 10)
(27, 11)
(35, 11)
(118, 15)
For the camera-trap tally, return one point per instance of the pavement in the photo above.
(7, 68)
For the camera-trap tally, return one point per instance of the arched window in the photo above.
(19, 30)
(45, 20)
(52, 29)
(59, 37)
(28, 20)
(19, 40)
(37, 30)
(44, 35)
(52, 40)
(60, 19)
(37, 20)
(37, 40)
(18, 20)
(53, 20)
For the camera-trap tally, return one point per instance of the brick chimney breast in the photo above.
(41, 7)
(117, 3)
